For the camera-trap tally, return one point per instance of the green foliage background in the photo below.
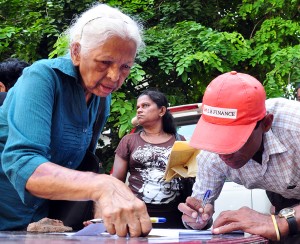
(188, 43)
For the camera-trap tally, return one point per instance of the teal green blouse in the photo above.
(44, 118)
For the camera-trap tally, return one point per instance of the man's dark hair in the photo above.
(10, 70)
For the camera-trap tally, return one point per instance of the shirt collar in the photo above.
(272, 145)
(66, 66)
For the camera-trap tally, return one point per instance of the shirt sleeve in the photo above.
(123, 150)
(29, 120)
(210, 176)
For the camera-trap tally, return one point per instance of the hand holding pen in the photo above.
(192, 210)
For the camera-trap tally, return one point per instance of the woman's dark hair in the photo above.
(161, 100)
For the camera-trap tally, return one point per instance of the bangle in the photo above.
(276, 227)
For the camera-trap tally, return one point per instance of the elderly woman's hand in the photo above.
(194, 216)
(121, 211)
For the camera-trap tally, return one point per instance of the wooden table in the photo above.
(32, 238)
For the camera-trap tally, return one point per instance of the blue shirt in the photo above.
(44, 118)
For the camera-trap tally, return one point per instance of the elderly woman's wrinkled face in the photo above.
(104, 69)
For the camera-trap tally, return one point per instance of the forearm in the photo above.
(120, 210)
(51, 181)
(119, 175)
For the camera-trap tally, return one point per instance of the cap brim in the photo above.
(220, 139)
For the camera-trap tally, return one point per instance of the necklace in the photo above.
(154, 133)
(147, 134)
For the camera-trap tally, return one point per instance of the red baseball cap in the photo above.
(232, 104)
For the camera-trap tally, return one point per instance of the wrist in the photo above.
(98, 182)
(289, 223)
(283, 226)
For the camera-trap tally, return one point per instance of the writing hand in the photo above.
(191, 209)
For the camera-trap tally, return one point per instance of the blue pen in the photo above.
(204, 201)
(205, 198)
(156, 220)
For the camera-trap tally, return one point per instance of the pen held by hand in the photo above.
(205, 198)
(204, 201)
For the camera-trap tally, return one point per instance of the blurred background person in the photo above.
(298, 92)
(10, 70)
(145, 155)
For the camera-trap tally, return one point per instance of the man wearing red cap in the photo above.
(251, 141)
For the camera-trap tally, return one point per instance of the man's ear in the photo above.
(75, 53)
(2, 87)
(267, 122)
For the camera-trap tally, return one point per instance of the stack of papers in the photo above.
(182, 161)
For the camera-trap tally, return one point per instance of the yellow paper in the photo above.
(182, 161)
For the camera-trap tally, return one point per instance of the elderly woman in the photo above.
(46, 126)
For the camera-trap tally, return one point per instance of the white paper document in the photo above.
(155, 236)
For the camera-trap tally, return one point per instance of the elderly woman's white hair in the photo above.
(94, 26)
